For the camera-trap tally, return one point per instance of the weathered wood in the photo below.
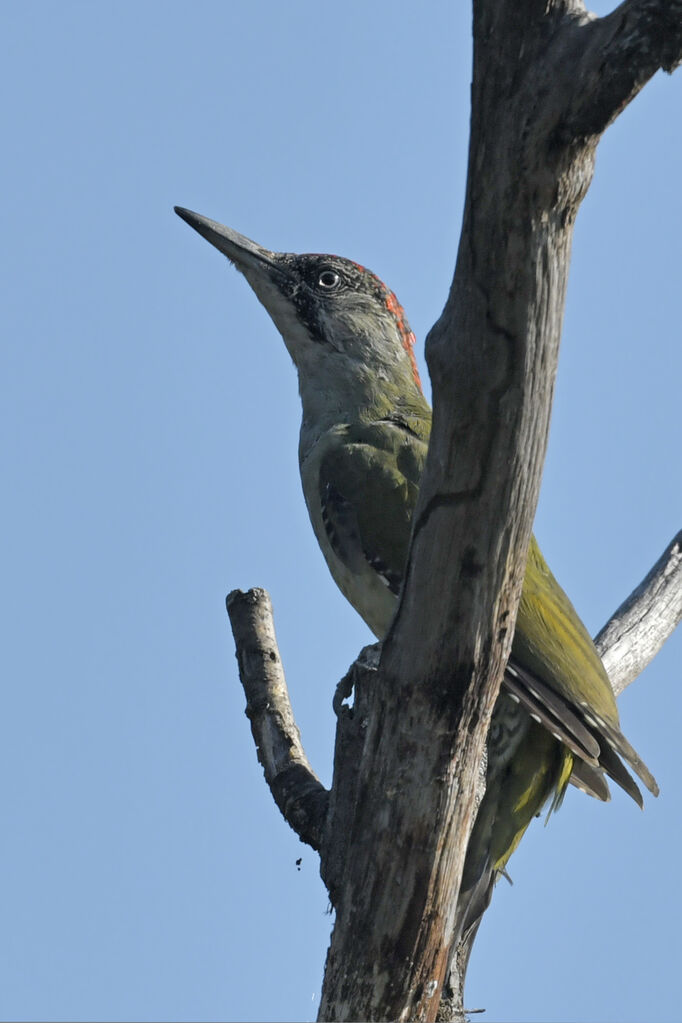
(295, 787)
(638, 629)
(615, 56)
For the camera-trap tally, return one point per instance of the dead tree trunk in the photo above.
(548, 79)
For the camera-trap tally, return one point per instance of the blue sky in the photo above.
(150, 420)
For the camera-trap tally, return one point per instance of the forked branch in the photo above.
(618, 55)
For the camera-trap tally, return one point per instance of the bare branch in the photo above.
(639, 628)
(295, 787)
(620, 53)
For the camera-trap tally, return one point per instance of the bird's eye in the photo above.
(328, 279)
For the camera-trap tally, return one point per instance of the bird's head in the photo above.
(344, 329)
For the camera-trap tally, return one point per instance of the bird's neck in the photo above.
(361, 397)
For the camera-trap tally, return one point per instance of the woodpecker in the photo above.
(362, 449)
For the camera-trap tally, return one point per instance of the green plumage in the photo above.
(552, 642)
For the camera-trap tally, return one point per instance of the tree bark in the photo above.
(296, 789)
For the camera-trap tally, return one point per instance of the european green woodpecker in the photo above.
(363, 442)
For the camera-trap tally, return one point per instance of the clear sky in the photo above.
(149, 426)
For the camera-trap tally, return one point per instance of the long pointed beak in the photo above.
(270, 274)
(239, 249)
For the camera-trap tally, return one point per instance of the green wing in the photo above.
(368, 488)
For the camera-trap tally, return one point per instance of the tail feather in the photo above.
(615, 768)
(595, 743)
(620, 745)
(553, 712)
(591, 780)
